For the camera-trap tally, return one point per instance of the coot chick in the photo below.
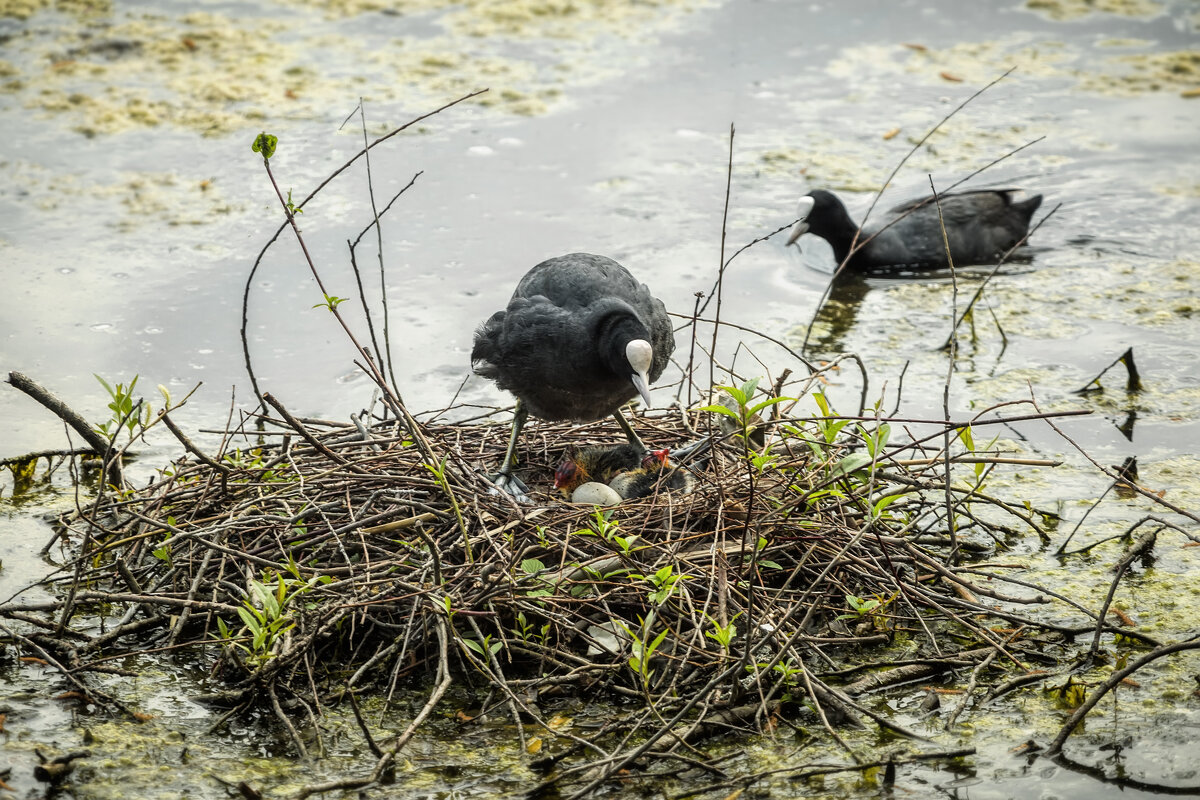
(980, 225)
(579, 338)
(652, 477)
(629, 470)
(601, 464)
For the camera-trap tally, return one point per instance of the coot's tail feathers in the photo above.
(483, 353)
(1027, 207)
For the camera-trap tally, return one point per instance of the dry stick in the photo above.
(93, 694)
(1083, 518)
(375, 215)
(812, 693)
(1144, 492)
(1125, 534)
(68, 609)
(741, 250)
(191, 447)
(390, 392)
(192, 592)
(1143, 545)
(1133, 381)
(69, 452)
(813, 369)
(721, 263)
(952, 556)
(689, 372)
(1003, 258)
(99, 444)
(283, 226)
(1113, 680)
(287, 723)
(966, 695)
(613, 768)
(925, 138)
(816, 771)
(307, 436)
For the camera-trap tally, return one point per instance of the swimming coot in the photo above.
(980, 226)
(579, 338)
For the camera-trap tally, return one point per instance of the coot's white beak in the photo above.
(643, 386)
(641, 355)
(801, 227)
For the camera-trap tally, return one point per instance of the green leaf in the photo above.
(850, 464)
(822, 403)
(248, 619)
(882, 503)
(765, 403)
(265, 144)
(967, 437)
(533, 566)
(748, 389)
(729, 412)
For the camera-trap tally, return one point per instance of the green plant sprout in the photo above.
(331, 302)
(664, 582)
(869, 609)
(745, 418)
(642, 650)
(723, 635)
(292, 208)
(533, 568)
(265, 144)
(488, 647)
(122, 404)
(266, 612)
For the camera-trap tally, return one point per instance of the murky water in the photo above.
(132, 209)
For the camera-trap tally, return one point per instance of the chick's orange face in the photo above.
(568, 475)
(656, 459)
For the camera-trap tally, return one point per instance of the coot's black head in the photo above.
(623, 342)
(823, 214)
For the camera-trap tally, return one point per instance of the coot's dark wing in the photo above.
(578, 280)
(543, 347)
(979, 226)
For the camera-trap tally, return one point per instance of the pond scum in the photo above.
(308, 563)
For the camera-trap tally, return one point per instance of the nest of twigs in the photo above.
(310, 562)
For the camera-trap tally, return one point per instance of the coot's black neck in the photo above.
(615, 328)
(832, 222)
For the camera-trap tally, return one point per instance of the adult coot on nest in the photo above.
(980, 225)
(579, 338)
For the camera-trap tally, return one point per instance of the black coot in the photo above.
(980, 226)
(579, 338)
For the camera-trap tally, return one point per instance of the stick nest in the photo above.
(317, 560)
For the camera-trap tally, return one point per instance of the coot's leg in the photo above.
(504, 480)
(630, 434)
